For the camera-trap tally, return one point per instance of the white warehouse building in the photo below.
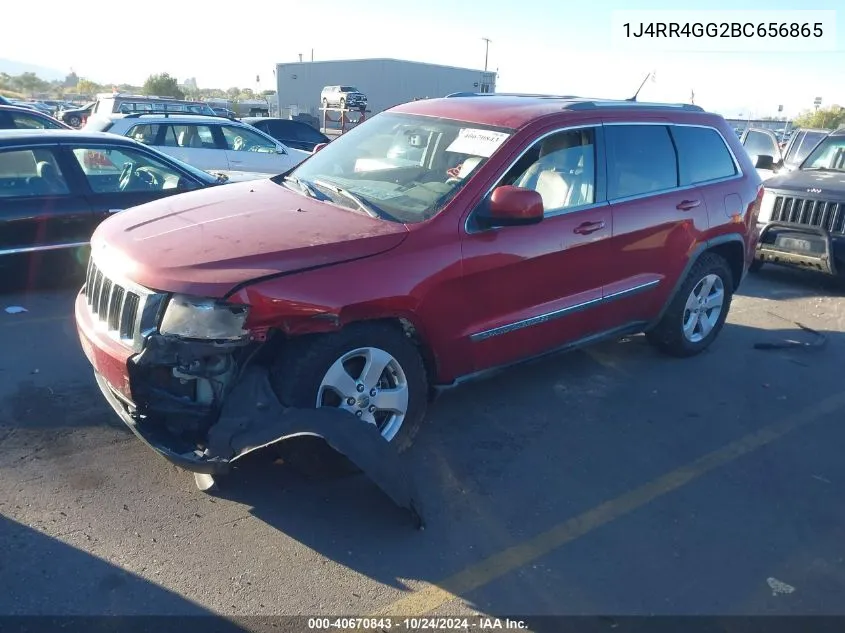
(386, 82)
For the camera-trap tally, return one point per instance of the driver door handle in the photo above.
(686, 205)
(586, 228)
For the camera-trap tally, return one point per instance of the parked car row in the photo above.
(49, 207)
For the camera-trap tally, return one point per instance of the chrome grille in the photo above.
(126, 311)
(822, 214)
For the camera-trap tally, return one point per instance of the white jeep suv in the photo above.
(214, 144)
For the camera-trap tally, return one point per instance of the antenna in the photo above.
(634, 98)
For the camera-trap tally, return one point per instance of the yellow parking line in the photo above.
(430, 597)
(24, 320)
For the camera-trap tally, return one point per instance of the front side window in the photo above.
(29, 173)
(561, 168)
(239, 139)
(111, 170)
(27, 122)
(702, 154)
(829, 155)
(403, 168)
(641, 159)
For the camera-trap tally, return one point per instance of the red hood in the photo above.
(208, 241)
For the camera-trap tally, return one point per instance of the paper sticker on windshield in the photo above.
(477, 142)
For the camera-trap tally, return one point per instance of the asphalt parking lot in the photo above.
(612, 480)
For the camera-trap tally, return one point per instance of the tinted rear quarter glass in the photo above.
(702, 154)
(641, 159)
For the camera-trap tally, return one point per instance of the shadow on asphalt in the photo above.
(560, 411)
(43, 576)
(784, 282)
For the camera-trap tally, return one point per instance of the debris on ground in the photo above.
(779, 587)
(819, 341)
(15, 309)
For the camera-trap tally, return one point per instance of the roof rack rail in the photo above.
(510, 94)
(616, 103)
(168, 113)
(585, 103)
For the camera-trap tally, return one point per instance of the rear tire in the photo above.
(755, 266)
(689, 326)
(74, 121)
(301, 375)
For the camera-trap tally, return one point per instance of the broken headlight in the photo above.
(196, 318)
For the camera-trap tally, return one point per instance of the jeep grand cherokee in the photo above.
(802, 215)
(219, 321)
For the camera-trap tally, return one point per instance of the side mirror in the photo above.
(280, 150)
(513, 206)
(318, 147)
(764, 161)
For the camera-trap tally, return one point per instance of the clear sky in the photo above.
(553, 46)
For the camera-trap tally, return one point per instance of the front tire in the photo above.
(755, 266)
(698, 311)
(372, 370)
(74, 121)
(343, 104)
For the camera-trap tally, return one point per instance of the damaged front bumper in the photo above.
(159, 396)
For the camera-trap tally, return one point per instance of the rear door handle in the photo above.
(588, 227)
(686, 205)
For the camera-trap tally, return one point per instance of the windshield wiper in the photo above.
(365, 205)
(305, 186)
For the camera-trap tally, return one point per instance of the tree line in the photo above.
(29, 85)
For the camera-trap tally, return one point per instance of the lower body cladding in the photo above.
(800, 246)
(205, 405)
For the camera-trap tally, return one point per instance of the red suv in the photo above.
(364, 280)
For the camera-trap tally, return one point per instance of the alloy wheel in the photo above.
(371, 384)
(703, 308)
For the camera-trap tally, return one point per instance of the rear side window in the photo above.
(702, 155)
(144, 133)
(30, 172)
(641, 159)
(28, 122)
(188, 135)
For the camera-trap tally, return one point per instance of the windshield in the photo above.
(828, 155)
(404, 166)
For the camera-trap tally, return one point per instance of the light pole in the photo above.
(487, 41)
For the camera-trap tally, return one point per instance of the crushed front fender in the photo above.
(249, 418)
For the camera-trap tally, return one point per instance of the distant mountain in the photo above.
(18, 68)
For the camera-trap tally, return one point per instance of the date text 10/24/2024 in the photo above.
(416, 624)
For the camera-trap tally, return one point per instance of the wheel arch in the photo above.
(409, 324)
(729, 247)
